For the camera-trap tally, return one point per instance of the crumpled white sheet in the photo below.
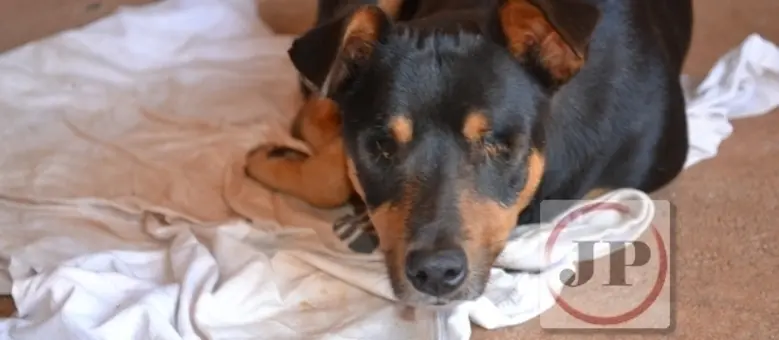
(124, 212)
(743, 83)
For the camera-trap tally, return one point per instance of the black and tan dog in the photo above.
(453, 120)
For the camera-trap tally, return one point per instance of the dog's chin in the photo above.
(409, 296)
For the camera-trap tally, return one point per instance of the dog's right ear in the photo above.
(328, 54)
(554, 34)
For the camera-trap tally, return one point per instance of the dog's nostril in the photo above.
(436, 272)
(421, 276)
(451, 274)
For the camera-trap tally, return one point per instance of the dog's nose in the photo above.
(437, 272)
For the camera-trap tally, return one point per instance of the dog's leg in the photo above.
(317, 123)
(319, 179)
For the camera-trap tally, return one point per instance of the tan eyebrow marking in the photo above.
(402, 129)
(476, 126)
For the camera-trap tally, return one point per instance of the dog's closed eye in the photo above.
(383, 147)
(494, 146)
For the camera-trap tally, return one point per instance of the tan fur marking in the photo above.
(360, 33)
(535, 172)
(391, 7)
(389, 221)
(402, 129)
(320, 122)
(487, 223)
(352, 174)
(525, 26)
(475, 126)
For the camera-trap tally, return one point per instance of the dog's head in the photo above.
(441, 128)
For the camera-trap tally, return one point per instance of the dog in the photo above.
(453, 120)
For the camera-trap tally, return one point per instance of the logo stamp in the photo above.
(628, 285)
(357, 231)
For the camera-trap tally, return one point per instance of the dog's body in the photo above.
(470, 139)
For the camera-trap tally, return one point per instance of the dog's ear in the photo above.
(328, 54)
(555, 34)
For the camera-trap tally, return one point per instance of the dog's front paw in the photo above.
(271, 151)
(268, 164)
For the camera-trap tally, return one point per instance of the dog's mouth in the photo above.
(439, 304)
(415, 298)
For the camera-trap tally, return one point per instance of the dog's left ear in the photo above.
(555, 34)
(327, 55)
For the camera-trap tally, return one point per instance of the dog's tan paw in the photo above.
(272, 164)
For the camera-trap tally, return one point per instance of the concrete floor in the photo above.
(724, 285)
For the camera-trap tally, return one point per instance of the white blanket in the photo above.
(125, 214)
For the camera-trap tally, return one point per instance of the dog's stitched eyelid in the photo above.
(382, 150)
(509, 139)
(491, 140)
(502, 147)
(382, 147)
(496, 150)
